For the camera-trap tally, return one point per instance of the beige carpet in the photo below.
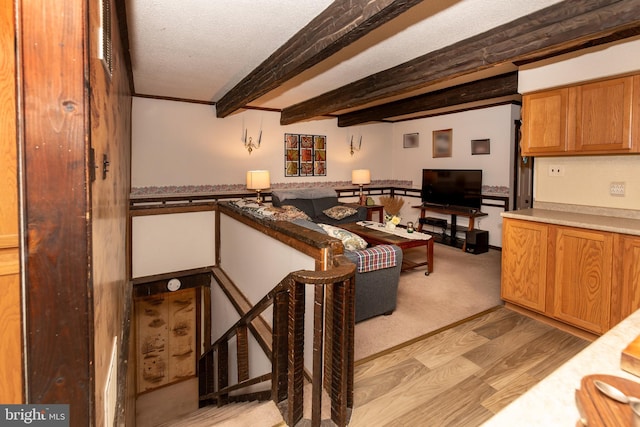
(460, 286)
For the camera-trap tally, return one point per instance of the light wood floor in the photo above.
(461, 376)
(458, 377)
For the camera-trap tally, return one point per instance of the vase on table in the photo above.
(390, 226)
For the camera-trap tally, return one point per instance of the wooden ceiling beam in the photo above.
(339, 25)
(545, 32)
(481, 90)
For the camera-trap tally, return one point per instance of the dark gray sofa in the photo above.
(313, 201)
(376, 291)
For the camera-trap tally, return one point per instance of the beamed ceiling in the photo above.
(357, 60)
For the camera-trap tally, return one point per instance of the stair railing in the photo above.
(333, 340)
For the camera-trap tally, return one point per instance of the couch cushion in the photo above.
(289, 213)
(351, 241)
(340, 211)
(322, 204)
(305, 205)
(376, 258)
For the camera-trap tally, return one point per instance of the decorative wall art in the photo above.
(442, 141)
(305, 155)
(480, 146)
(411, 140)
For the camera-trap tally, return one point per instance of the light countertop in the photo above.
(591, 220)
(551, 401)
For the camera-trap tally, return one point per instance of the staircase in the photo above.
(282, 342)
(249, 414)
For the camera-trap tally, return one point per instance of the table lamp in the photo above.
(361, 177)
(258, 180)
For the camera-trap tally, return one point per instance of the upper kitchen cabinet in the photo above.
(544, 122)
(602, 117)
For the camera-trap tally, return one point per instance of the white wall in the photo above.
(586, 180)
(178, 143)
(173, 242)
(495, 123)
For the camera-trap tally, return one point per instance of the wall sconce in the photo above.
(249, 144)
(361, 177)
(355, 147)
(258, 180)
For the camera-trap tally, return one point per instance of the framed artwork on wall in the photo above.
(480, 146)
(411, 140)
(442, 143)
(305, 155)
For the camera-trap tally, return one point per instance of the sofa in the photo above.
(320, 204)
(376, 290)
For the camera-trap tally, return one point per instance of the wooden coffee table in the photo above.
(380, 237)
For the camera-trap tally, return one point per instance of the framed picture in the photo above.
(442, 141)
(411, 140)
(480, 146)
(305, 155)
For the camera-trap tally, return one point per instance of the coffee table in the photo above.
(381, 237)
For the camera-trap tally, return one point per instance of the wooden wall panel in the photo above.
(110, 135)
(11, 383)
(56, 212)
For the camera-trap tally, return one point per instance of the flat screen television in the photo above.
(456, 188)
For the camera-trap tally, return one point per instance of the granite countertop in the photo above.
(602, 219)
(551, 401)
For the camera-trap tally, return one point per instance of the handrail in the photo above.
(287, 357)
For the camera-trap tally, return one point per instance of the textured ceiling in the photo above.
(200, 49)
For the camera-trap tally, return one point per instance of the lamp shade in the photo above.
(361, 176)
(258, 180)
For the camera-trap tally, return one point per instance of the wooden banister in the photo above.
(333, 299)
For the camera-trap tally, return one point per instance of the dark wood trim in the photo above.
(121, 11)
(339, 25)
(171, 98)
(492, 87)
(58, 283)
(456, 110)
(562, 27)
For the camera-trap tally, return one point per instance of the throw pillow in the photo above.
(288, 213)
(351, 242)
(340, 212)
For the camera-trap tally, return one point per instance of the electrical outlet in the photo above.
(616, 188)
(556, 170)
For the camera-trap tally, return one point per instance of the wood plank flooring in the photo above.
(458, 377)
(461, 376)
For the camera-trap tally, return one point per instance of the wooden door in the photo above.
(582, 278)
(544, 122)
(626, 276)
(524, 263)
(603, 115)
(10, 313)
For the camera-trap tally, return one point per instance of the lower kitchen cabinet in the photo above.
(582, 277)
(585, 278)
(524, 263)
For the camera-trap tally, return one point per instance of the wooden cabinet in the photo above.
(602, 117)
(585, 278)
(581, 263)
(627, 277)
(544, 122)
(524, 263)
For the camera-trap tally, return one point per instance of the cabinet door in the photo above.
(544, 122)
(582, 278)
(524, 263)
(603, 116)
(627, 276)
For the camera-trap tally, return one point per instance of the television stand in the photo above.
(472, 214)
